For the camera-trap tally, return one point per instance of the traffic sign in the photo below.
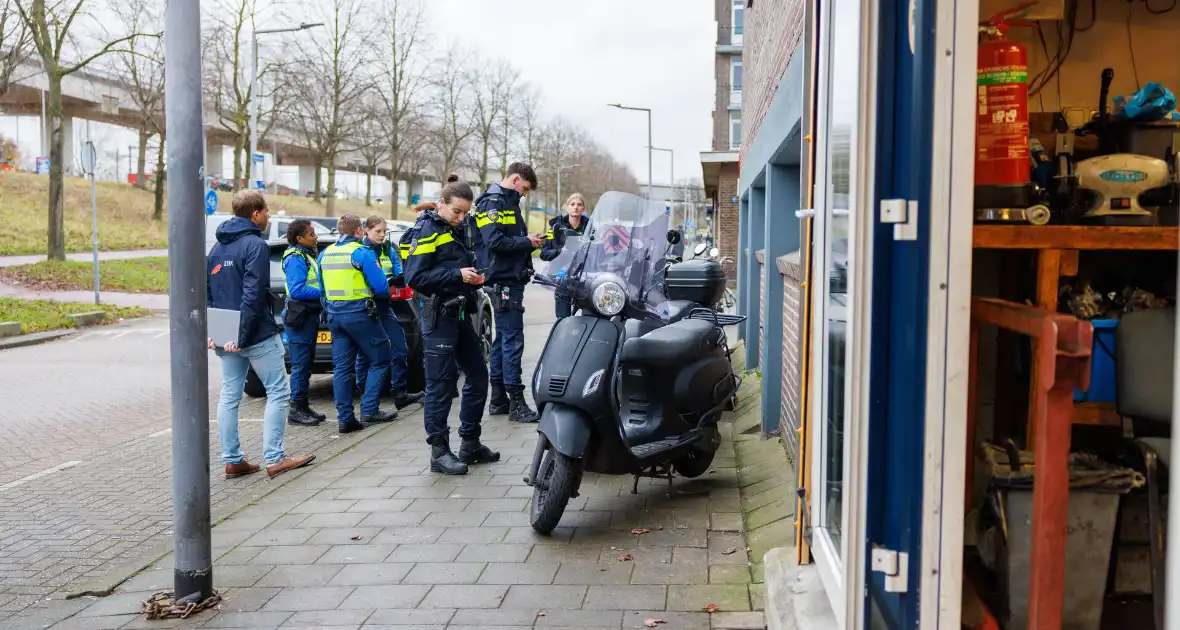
(211, 202)
(89, 158)
(259, 158)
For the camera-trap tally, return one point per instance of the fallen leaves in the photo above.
(711, 608)
(625, 558)
(729, 552)
(651, 623)
(639, 531)
(357, 537)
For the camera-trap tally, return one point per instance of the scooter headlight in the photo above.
(608, 297)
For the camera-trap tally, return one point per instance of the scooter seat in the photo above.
(674, 344)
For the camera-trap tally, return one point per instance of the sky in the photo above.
(657, 54)
(581, 55)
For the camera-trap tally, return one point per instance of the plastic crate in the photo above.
(1102, 378)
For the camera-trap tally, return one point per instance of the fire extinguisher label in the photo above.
(1002, 125)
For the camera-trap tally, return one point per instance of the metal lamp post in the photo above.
(559, 170)
(642, 109)
(254, 80)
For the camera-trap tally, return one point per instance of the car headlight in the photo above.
(608, 298)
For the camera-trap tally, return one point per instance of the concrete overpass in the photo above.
(94, 95)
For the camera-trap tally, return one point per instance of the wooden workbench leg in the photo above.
(1046, 594)
(1048, 282)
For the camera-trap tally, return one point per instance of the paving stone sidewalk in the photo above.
(371, 538)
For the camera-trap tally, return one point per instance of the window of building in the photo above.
(735, 129)
(735, 72)
(739, 7)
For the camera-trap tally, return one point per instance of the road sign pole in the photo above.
(193, 558)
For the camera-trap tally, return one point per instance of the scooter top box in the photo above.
(698, 280)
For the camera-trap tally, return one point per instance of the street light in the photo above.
(671, 167)
(254, 79)
(642, 109)
(559, 170)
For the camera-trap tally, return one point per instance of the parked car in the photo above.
(405, 306)
(276, 231)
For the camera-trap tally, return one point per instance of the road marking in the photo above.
(38, 475)
(161, 432)
(119, 332)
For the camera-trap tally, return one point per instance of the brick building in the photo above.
(720, 164)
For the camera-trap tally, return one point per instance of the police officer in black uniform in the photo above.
(508, 253)
(441, 270)
(561, 227)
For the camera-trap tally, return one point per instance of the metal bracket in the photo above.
(804, 213)
(903, 215)
(895, 565)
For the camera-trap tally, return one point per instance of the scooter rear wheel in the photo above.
(694, 464)
(556, 483)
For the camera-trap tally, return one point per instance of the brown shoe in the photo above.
(288, 463)
(233, 471)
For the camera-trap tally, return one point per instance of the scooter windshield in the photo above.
(626, 237)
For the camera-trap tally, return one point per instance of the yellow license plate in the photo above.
(323, 336)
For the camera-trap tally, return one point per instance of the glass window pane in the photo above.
(738, 11)
(737, 73)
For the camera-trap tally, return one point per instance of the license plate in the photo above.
(323, 336)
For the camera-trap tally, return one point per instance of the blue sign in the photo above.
(211, 202)
(42, 166)
(258, 158)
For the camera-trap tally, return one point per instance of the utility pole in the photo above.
(192, 537)
(557, 210)
(649, 151)
(254, 98)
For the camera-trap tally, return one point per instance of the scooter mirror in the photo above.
(713, 253)
(699, 249)
(673, 237)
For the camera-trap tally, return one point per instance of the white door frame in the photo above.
(949, 314)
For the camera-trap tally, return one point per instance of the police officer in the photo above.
(351, 277)
(508, 254)
(301, 317)
(441, 269)
(560, 227)
(391, 266)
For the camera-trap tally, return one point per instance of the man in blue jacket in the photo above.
(351, 277)
(238, 271)
(508, 253)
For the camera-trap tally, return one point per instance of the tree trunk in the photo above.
(319, 184)
(158, 177)
(394, 198)
(57, 228)
(369, 185)
(331, 205)
(238, 163)
(483, 166)
(141, 158)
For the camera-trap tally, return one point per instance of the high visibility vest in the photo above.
(386, 264)
(313, 270)
(342, 281)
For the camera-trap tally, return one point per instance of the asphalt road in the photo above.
(85, 453)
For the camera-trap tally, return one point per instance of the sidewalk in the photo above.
(152, 301)
(371, 538)
(13, 261)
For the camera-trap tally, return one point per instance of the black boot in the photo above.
(498, 404)
(319, 417)
(403, 399)
(297, 415)
(352, 426)
(472, 451)
(520, 411)
(379, 417)
(442, 460)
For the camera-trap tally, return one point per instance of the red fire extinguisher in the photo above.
(1001, 115)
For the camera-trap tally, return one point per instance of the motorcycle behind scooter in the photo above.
(636, 381)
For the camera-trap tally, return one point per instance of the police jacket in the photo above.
(302, 273)
(436, 254)
(508, 251)
(238, 272)
(475, 240)
(364, 261)
(559, 228)
(390, 262)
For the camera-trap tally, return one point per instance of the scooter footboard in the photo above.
(566, 428)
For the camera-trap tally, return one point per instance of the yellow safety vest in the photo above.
(313, 271)
(342, 281)
(386, 264)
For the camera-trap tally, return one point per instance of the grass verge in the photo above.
(42, 315)
(137, 275)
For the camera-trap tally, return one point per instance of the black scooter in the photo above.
(625, 389)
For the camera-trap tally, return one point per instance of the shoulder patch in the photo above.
(493, 215)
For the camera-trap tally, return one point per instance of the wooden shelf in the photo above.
(1099, 414)
(1075, 237)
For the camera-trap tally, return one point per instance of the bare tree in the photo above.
(335, 113)
(375, 149)
(142, 68)
(15, 42)
(401, 83)
(493, 90)
(50, 27)
(454, 121)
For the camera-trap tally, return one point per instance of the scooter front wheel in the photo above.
(557, 481)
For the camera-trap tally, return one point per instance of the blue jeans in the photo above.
(398, 349)
(301, 342)
(353, 334)
(450, 346)
(508, 347)
(266, 358)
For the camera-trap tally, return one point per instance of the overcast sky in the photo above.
(585, 54)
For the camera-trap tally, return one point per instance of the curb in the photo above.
(33, 339)
(795, 598)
